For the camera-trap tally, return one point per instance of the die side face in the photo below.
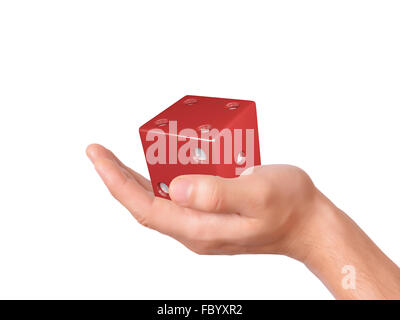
(200, 135)
(245, 150)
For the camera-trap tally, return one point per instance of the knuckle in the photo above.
(213, 201)
(143, 220)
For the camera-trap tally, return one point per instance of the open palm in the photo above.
(261, 212)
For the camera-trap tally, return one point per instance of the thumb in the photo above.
(209, 193)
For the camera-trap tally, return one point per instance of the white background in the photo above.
(325, 76)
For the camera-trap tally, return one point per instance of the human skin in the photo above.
(275, 209)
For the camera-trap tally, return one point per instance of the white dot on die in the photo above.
(163, 187)
(199, 154)
(240, 158)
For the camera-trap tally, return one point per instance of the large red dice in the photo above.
(200, 135)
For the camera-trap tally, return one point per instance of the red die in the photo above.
(200, 135)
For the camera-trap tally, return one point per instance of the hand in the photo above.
(262, 212)
(274, 209)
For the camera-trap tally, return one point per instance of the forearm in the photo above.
(345, 259)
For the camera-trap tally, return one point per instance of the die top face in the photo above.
(200, 113)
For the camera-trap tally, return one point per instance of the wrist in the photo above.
(316, 226)
(330, 244)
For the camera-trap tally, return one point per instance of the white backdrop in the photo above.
(324, 75)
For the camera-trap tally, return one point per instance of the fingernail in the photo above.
(181, 190)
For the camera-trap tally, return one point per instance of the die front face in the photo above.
(200, 135)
